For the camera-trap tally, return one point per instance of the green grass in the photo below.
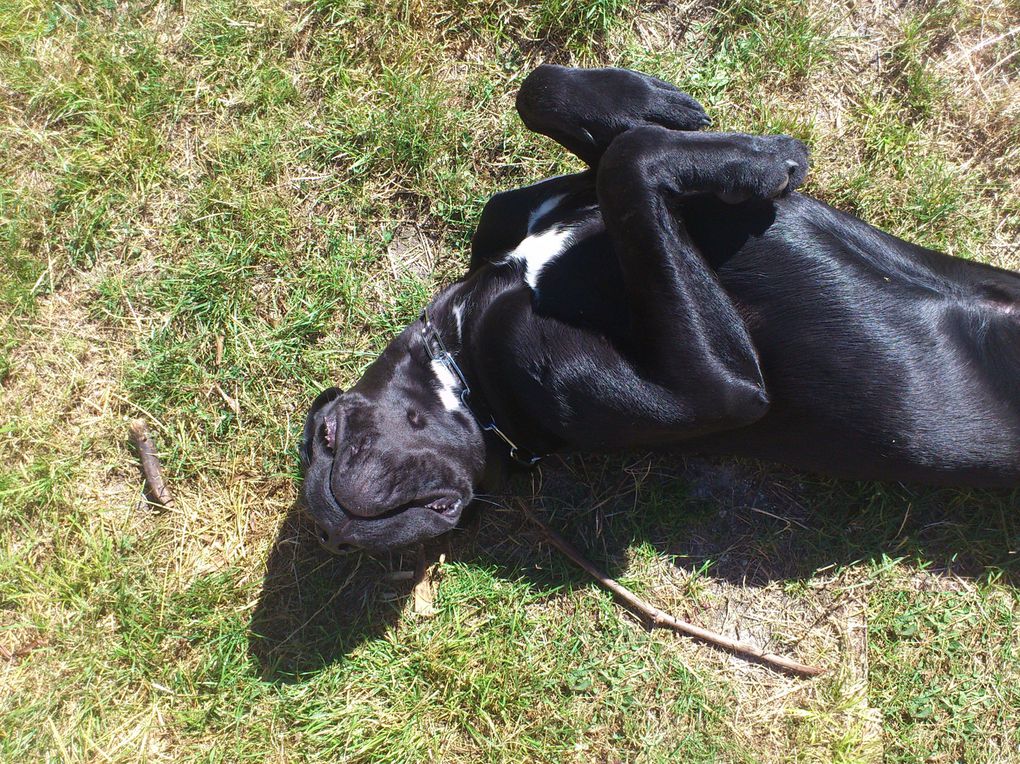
(211, 210)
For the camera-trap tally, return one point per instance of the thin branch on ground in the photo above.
(655, 617)
(152, 470)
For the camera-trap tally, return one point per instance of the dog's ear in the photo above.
(323, 399)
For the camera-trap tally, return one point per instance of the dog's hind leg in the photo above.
(584, 109)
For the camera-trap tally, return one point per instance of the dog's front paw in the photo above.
(769, 166)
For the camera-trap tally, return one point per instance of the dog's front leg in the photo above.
(688, 366)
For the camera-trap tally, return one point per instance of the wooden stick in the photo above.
(656, 617)
(152, 470)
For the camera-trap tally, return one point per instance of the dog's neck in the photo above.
(456, 324)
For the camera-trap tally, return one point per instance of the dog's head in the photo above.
(393, 460)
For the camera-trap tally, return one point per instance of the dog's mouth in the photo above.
(359, 532)
(447, 506)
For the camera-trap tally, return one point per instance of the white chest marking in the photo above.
(543, 209)
(449, 386)
(458, 315)
(540, 249)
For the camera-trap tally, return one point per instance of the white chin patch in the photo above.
(449, 386)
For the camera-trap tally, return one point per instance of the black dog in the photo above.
(676, 294)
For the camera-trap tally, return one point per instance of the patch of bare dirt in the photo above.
(410, 251)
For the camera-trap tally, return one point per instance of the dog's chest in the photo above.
(567, 260)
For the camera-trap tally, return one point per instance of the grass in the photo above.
(211, 210)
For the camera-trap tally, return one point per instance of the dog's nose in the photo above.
(329, 540)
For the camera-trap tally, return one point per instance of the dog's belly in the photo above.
(882, 361)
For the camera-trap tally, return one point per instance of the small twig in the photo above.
(1000, 62)
(152, 470)
(22, 651)
(656, 617)
(231, 402)
(984, 44)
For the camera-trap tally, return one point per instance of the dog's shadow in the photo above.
(314, 606)
(741, 522)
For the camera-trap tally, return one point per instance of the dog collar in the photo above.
(438, 352)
